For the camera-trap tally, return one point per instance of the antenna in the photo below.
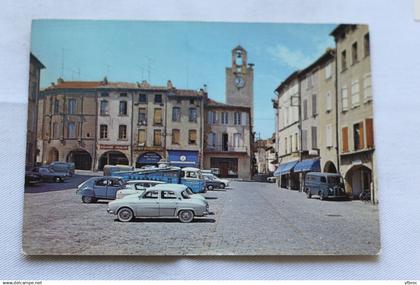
(62, 62)
(149, 67)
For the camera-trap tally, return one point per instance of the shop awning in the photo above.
(308, 165)
(285, 168)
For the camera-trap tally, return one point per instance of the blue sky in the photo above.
(188, 53)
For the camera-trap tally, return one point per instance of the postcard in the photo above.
(200, 138)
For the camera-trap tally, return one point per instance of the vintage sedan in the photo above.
(47, 174)
(95, 188)
(136, 187)
(163, 200)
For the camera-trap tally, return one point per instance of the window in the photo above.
(192, 137)
(355, 97)
(71, 130)
(71, 106)
(314, 105)
(354, 57)
(344, 99)
(343, 60)
(369, 133)
(237, 118)
(123, 94)
(142, 117)
(290, 144)
(192, 115)
(225, 118)
(304, 139)
(157, 137)
(212, 117)
(345, 139)
(175, 136)
(56, 106)
(305, 109)
(329, 135)
(157, 116)
(102, 182)
(328, 103)
(55, 131)
(123, 108)
(141, 139)
(168, 195)
(285, 145)
(358, 136)
(151, 195)
(103, 131)
(328, 71)
(314, 138)
(192, 101)
(176, 114)
(122, 132)
(366, 45)
(211, 139)
(367, 89)
(104, 108)
(309, 81)
(104, 94)
(243, 118)
(142, 98)
(237, 140)
(296, 142)
(158, 99)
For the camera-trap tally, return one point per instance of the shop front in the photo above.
(148, 159)
(183, 158)
(288, 178)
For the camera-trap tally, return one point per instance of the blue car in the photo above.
(95, 188)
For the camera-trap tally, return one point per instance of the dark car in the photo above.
(212, 183)
(32, 177)
(49, 175)
(59, 166)
(324, 185)
(104, 187)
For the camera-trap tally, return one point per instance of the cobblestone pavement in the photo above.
(250, 219)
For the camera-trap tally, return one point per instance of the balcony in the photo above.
(226, 148)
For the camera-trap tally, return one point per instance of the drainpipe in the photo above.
(95, 145)
(165, 125)
(132, 126)
(337, 141)
(301, 175)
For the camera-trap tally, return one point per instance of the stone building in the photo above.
(355, 111)
(288, 120)
(32, 149)
(228, 139)
(265, 156)
(69, 122)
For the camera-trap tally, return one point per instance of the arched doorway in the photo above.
(52, 155)
(329, 167)
(112, 158)
(81, 159)
(358, 179)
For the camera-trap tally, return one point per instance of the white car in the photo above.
(136, 187)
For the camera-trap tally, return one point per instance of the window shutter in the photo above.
(369, 133)
(355, 100)
(142, 136)
(329, 135)
(314, 109)
(243, 119)
(305, 109)
(362, 136)
(314, 137)
(367, 89)
(304, 140)
(345, 138)
(344, 99)
(158, 116)
(329, 101)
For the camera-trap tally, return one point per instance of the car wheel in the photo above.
(210, 187)
(125, 214)
(186, 216)
(222, 186)
(87, 199)
(308, 194)
(57, 179)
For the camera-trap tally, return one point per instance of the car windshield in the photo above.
(185, 194)
(189, 191)
(335, 180)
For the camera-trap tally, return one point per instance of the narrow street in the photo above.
(250, 219)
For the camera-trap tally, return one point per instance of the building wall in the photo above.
(352, 77)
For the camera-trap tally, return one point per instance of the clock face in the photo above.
(239, 81)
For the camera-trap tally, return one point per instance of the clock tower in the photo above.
(240, 80)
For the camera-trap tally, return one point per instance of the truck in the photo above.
(189, 176)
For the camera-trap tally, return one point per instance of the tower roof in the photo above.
(239, 47)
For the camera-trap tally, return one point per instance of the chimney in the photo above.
(60, 80)
(169, 85)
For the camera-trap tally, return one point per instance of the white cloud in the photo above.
(293, 58)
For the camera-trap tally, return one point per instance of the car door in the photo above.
(114, 185)
(168, 203)
(148, 204)
(99, 188)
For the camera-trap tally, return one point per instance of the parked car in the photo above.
(95, 188)
(212, 182)
(59, 166)
(163, 200)
(136, 187)
(271, 179)
(32, 177)
(47, 174)
(324, 185)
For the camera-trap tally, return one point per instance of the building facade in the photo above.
(32, 149)
(355, 110)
